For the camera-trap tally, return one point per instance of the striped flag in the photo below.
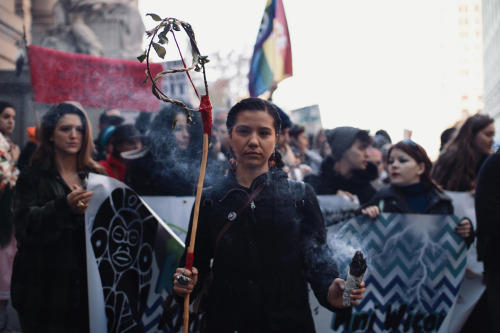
(272, 56)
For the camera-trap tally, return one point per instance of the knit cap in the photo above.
(341, 139)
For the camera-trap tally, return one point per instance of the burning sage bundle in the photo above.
(357, 269)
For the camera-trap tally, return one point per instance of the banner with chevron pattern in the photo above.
(131, 258)
(416, 264)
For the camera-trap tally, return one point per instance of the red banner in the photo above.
(98, 82)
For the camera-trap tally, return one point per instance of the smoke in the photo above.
(343, 251)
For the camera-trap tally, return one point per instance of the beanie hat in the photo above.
(341, 139)
(285, 119)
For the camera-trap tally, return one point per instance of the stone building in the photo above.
(108, 28)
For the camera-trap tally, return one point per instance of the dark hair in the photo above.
(5, 105)
(458, 164)
(286, 122)
(296, 130)
(446, 136)
(161, 136)
(105, 119)
(124, 133)
(255, 104)
(384, 134)
(418, 153)
(45, 150)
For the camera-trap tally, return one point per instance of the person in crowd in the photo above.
(49, 278)
(446, 136)
(290, 155)
(456, 169)
(487, 203)
(300, 139)
(347, 170)
(412, 189)
(219, 125)
(383, 133)
(283, 146)
(124, 138)
(457, 166)
(9, 154)
(261, 265)
(143, 122)
(169, 165)
(375, 156)
(28, 149)
(319, 140)
(110, 117)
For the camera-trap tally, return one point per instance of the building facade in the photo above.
(491, 35)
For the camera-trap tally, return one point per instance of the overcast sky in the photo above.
(368, 64)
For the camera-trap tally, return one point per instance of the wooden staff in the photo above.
(206, 114)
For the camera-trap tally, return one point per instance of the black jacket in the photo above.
(487, 204)
(265, 259)
(390, 200)
(329, 181)
(49, 277)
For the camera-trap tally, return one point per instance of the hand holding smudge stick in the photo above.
(357, 269)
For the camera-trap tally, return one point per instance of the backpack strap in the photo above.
(297, 190)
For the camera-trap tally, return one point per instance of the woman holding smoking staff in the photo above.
(49, 279)
(266, 237)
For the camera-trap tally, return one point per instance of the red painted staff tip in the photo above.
(206, 114)
(189, 260)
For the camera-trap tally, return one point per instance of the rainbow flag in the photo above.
(272, 55)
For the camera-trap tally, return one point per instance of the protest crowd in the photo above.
(44, 198)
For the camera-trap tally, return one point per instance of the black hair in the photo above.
(4, 105)
(253, 104)
(256, 104)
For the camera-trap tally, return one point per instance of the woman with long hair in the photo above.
(49, 281)
(456, 170)
(457, 167)
(261, 263)
(9, 154)
(412, 189)
(167, 165)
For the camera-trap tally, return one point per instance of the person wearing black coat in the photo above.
(487, 204)
(262, 262)
(412, 189)
(347, 170)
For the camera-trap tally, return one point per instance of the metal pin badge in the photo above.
(231, 216)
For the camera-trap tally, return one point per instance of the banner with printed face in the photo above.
(416, 264)
(98, 82)
(131, 258)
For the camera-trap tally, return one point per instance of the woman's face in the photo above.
(68, 135)
(303, 141)
(484, 139)
(181, 132)
(403, 169)
(356, 156)
(253, 139)
(7, 120)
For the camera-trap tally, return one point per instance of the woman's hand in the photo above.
(464, 228)
(372, 211)
(15, 152)
(78, 199)
(347, 194)
(337, 288)
(185, 280)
